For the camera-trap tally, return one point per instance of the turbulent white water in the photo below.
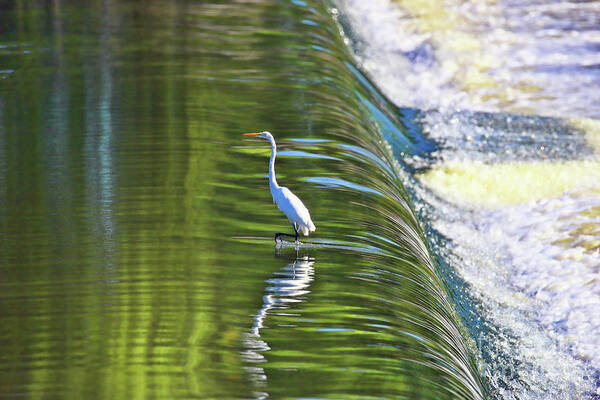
(516, 197)
(539, 57)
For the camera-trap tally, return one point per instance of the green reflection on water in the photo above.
(136, 222)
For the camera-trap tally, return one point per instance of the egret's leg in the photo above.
(295, 230)
(295, 236)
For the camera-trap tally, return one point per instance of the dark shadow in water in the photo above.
(285, 290)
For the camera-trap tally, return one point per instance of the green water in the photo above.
(136, 225)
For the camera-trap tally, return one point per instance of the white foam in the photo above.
(388, 44)
(543, 299)
(528, 57)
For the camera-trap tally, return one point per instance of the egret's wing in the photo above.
(293, 208)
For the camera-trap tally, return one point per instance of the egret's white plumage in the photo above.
(286, 201)
(293, 208)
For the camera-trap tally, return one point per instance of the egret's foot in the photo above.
(279, 235)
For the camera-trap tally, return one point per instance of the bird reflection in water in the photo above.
(286, 289)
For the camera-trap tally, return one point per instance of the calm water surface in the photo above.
(136, 225)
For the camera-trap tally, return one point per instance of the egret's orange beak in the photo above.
(251, 134)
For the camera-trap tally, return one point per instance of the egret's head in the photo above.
(263, 135)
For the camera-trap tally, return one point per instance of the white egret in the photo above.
(286, 201)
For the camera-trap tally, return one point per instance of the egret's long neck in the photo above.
(272, 179)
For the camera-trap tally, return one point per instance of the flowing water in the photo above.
(508, 93)
(136, 251)
(456, 251)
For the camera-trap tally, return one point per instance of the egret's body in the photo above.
(286, 201)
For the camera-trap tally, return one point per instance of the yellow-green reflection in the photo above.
(483, 185)
(129, 190)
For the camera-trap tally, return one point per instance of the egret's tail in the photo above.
(306, 229)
